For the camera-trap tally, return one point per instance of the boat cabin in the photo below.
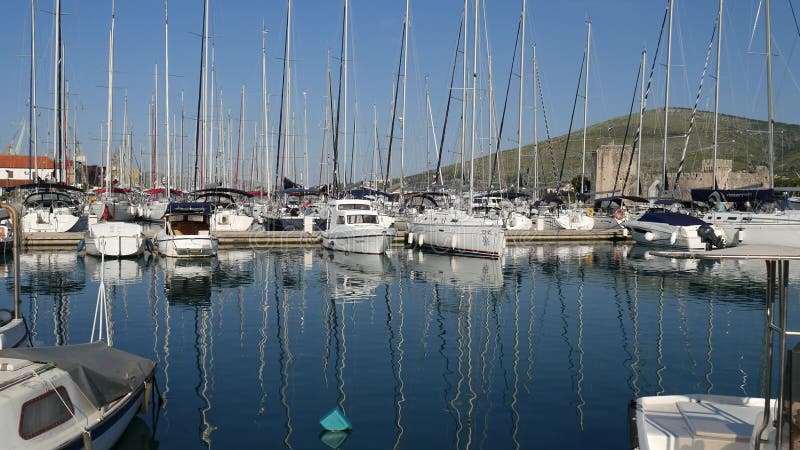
(188, 218)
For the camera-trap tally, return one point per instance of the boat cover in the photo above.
(670, 218)
(103, 373)
(203, 208)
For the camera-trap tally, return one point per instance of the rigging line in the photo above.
(546, 124)
(438, 176)
(696, 102)
(278, 166)
(794, 17)
(755, 24)
(505, 105)
(638, 138)
(571, 120)
(627, 128)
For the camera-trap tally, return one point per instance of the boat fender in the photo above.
(410, 237)
(619, 214)
(590, 212)
(421, 240)
(648, 236)
(672, 238)
(148, 244)
(81, 245)
(148, 391)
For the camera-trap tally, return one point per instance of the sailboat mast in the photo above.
(204, 86)
(154, 174)
(306, 181)
(167, 151)
(264, 103)
(212, 155)
(57, 96)
(641, 128)
(109, 117)
(198, 143)
(585, 105)
(403, 119)
(535, 126)
(716, 97)
(521, 95)
(474, 106)
(664, 185)
(344, 74)
(770, 110)
(33, 151)
(464, 94)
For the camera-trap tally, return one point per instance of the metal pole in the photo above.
(770, 112)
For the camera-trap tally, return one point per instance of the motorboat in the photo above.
(74, 396)
(115, 240)
(665, 228)
(187, 231)
(353, 226)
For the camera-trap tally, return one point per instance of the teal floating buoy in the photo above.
(335, 421)
(81, 245)
(334, 439)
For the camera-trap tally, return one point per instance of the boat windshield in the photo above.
(362, 218)
(353, 206)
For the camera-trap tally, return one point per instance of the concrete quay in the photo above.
(274, 239)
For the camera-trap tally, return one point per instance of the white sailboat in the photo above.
(354, 226)
(453, 230)
(115, 240)
(49, 209)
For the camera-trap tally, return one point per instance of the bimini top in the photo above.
(102, 373)
(46, 187)
(203, 208)
(221, 190)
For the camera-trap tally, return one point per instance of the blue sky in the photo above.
(621, 29)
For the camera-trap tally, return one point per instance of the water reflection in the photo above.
(541, 349)
(116, 271)
(188, 281)
(461, 272)
(354, 276)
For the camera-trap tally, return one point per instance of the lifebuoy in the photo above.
(619, 214)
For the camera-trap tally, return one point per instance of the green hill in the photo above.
(740, 139)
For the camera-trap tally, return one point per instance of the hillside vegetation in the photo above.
(740, 139)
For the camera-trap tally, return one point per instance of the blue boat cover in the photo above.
(740, 197)
(203, 208)
(671, 218)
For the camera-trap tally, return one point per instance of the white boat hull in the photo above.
(14, 333)
(186, 246)
(42, 221)
(664, 235)
(230, 221)
(115, 240)
(773, 229)
(458, 233)
(359, 239)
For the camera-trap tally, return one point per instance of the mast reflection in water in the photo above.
(542, 348)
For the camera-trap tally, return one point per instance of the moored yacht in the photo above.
(354, 226)
(115, 240)
(666, 228)
(187, 231)
(50, 209)
(230, 208)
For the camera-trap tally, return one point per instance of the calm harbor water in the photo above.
(543, 349)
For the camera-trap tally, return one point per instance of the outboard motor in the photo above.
(709, 236)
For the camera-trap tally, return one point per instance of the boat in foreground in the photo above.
(115, 240)
(677, 230)
(457, 232)
(354, 226)
(708, 422)
(187, 231)
(75, 396)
